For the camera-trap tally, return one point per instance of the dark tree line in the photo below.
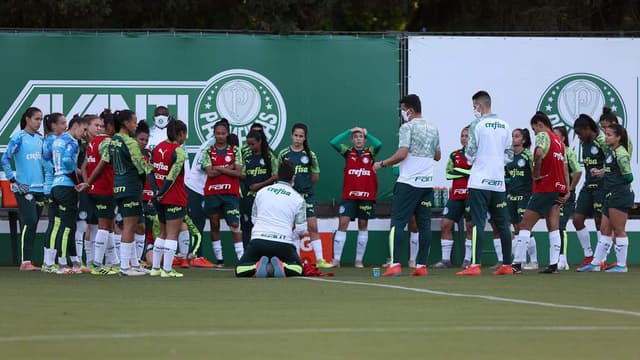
(285, 16)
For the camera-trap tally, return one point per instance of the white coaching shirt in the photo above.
(488, 150)
(276, 208)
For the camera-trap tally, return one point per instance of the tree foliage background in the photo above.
(285, 16)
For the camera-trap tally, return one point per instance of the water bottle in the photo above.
(437, 197)
(445, 196)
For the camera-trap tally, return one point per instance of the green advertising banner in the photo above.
(331, 83)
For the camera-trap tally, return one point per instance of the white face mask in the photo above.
(405, 116)
(477, 113)
(161, 121)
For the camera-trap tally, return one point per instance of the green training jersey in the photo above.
(572, 160)
(617, 165)
(306, 165)
(129, 167)
(255, 169)
(518, 173)
(593, 153)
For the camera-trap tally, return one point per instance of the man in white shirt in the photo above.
(418, 150)
(276, 210)
(488, 150)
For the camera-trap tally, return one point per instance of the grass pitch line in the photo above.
(271, 331)
(483, 297)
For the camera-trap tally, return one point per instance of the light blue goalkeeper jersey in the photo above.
(47, 161)
(65, 152)
(26, 152)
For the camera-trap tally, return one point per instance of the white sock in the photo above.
(339, 239)
(158, 250)
(49, 256)
(520, 248)
(74, 259)
(554, 247)
(585, 241)
(239, 247)
(62, 261)
(126, 250)
(169, 252)
(81, 228)
(93, 232)
(447, 246)
(532, 249)
(498, 246)
(139, 240)
(361, 246)
(468, 245)
(135, 260)
(112, 252)
(184, 241)
(622, 245)
(99, 247)
(217, 249)
(414, 243)
(602, 249)
(88, 250)
(317, 249)
(117, 239)
(44, 256)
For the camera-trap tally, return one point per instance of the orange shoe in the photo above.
(504, 270)
(586, 261)
(201, 262)
(176, 261)
(393, 270)
(28, 266)
(183, 263)
(472, 270)
(420, 271)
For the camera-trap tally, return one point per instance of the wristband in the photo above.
(12, 180)
(382, 163)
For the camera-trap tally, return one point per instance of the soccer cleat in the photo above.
(612, 265)
(278, 267)
(588, 267)
(140, 269)
(155, 272)
(261, 267)
(444, 264)
(28, 266)
(420, 271)
(49, 269)
(412, 264)
(176, 261)
(530, 266)
(201, 262)
(551, 269)
(115, 268)
(322, 264)
(504, 270)
(131, 272)
(183, 263)
(496, 266)
(617, 269)
(471, 270)
(358, 265)
(171, 273)
(64, 270)
(76, 269)
(85, 269)
(585, 261)
(102, 270)
(335, 263)
(465, 264)
(516, 269)
(219, 264)
(393, 270)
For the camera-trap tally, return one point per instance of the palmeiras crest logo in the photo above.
(580, 93)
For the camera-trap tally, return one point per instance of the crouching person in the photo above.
(277, 209)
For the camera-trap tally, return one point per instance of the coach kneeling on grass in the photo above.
(276, 210)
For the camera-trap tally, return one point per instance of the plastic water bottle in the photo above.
(437, 198)
(445, 196)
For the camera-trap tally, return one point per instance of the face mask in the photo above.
(405, 116)
(477, 113)
(161, 121)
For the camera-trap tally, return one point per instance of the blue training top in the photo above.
(65, 152)
(47, 161)
(26, 151)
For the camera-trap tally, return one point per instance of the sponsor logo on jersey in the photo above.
(218, 187)
(359, 193)
(359, 172)
(279, 191)
(492, 182)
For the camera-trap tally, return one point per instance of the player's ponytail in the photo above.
(120, 117)
(27, 114)
(265, 151)
(305, 143)
(49, 120)
(618, 130)
(565, 134)
(585, 121)
(175, 128)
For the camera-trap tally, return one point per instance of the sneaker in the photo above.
(530, 266)
(183, 263)
(103, 270)
(219, 264)
(155, 272)
(64, 270)
(444, 264)
(465, 264)
(261, 267)
(171, 273)
(617, 269)
(504, 270)
(140, 269)
(28, 266)
(471, 270)
(551, 269)
(412, 264)
(358, 265)
(420, 271)
(393, 270)
(322, 264)
(201, 262)
(516, 269)
(176, 260)
(587, 260)
(131, 272)
(335, 263)
(278, 267)
(588, 267)
(496, 266)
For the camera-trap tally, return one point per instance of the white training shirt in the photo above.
(423, 140)
(156, 136)
(488, 150)
(194, 176)
(276, 208)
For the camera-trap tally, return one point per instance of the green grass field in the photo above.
(211, 314)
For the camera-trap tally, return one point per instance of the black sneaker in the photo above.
(516, 268)
(551, 269)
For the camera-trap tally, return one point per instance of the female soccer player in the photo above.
(54, 125)
(608, 118)
(566, 211)
(223, 164)
(359, 189)
(259, 169)
(619, 198)
(168, 167)
(25, 149)
(307, 174)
